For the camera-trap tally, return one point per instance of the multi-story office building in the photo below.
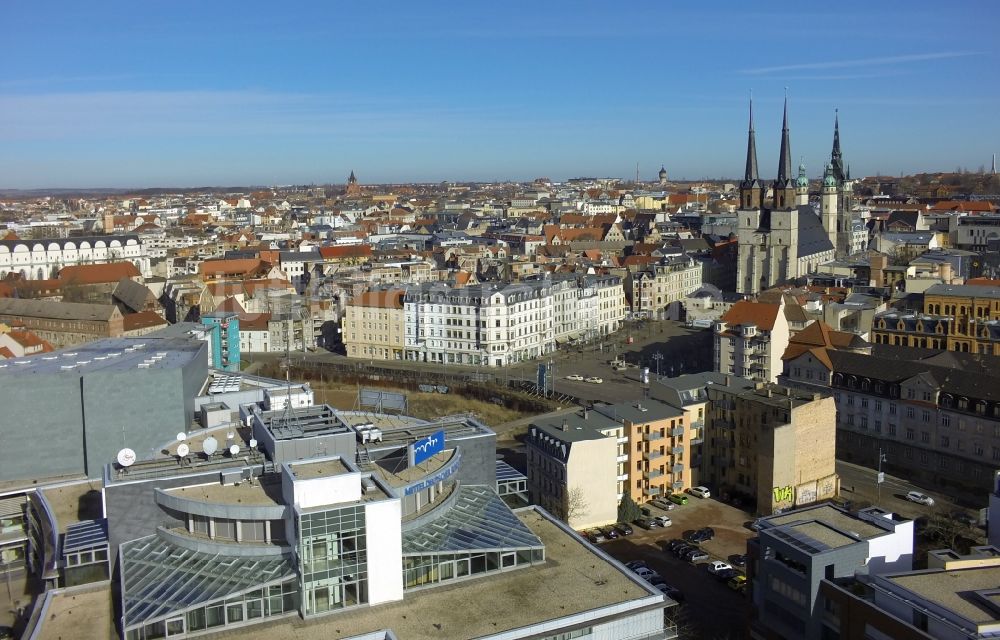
(935, 419)
(373, 325)
(772, 444)
(750, 338)
(952, 599)
(962, 318)
(794, 552)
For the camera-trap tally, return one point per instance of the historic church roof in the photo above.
(750, 176)
(784, 178)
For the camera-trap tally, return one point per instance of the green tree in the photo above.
(628, 510)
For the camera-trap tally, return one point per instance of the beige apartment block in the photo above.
(573, 467)
(374, 325)
(772, 443)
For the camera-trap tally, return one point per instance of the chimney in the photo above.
(565, 425)
(586, 413)
(727, 381)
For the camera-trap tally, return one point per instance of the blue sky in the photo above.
(132, 94)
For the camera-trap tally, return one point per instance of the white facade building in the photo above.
(43, 258)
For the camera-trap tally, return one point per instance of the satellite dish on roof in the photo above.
(181, 436)
(230, 435)
(210, 445)
(253, 443)
(126, 457)
(183, 449)
(234, 449)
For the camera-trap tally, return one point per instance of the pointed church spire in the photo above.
(785, 162)
(836, 157)
(352, 179)
(750, 175)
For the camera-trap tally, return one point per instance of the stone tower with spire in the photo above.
(829, 211)
(844, 194)
(786, 240)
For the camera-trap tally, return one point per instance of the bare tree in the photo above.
(576, 504)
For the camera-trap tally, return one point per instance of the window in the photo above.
(878, 405)
(892, 408)
(850, 399)
(925, 437)
(945, 421)
(864, 422)
(910, 434)
(925, 416)
(945, 441)
(910, 393)
(864, 403)
(878, 426)
(909, 412)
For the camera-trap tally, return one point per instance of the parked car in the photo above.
(575, 376)
(718, 566)
(738, 560)
(696, 555)
(920, 498)
(595, 380)
(610, 532)
(701, 492)
(673, 593)
(676, 542)
(596, 536)
(624, 528)
(738, 583)
(684, 549)
(678, 498)
(726, 574)
(663, 521)
(635, 564)
(647, 523)
(701, 535)
(644, 572)
(663, 503)
(646, 512)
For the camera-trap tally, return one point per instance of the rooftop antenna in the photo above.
(210, 445)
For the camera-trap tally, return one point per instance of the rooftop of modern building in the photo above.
(68, 611)
(970, 593)
(396, 472)
(110, 355)
(321, 468)
(833, 520)
(574, 579)
(264, 492)
(403, 432)
(772, 394)
(291, 423)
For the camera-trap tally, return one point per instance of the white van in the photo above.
(701, 492)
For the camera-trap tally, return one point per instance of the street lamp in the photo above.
(659, 358)
(880, 478)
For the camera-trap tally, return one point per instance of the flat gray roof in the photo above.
(110, 354)
(646, 410)
(578, 427)
(831, 517)
(956, 590)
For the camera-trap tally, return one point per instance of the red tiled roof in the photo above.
(346, 251)
(6, 353)
(761, 314)
(97, 273)
(242, 266)
(254, 321)
(142, 320)
(392, 299)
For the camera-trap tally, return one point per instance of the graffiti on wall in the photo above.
(783, 495)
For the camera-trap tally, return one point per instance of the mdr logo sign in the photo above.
(424, 448)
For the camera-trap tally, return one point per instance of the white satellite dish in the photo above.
(253, 443)
(183, 449)
(126, 457)
(210, 445)
(181, 436)
(233, 450)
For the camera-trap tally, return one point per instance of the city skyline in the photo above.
(189, 96)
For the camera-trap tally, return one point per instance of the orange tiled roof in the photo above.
(97, 273)
(346, 251)
(392, 299)
(761, 314)
(142, 320)
(242, 266)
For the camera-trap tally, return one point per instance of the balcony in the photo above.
(653, 454)
(677, 450)
(677, 486)
(677, 431)
(651, 474)
(651, 491)
(677, 468)
(652, 436)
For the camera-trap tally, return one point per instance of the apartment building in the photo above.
(63, 324)
(652, 290)
(41, 258)
(499, 324)
(658, 447)
(794, 552)
(935, 418)
(374, 325)
(750, 339)
(771, 444)
(962, 318)
(577, 467)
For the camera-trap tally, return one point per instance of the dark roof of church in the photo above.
(812, 235)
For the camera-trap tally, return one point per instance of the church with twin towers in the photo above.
(781, 237)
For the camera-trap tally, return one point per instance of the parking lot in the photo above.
(715, 610)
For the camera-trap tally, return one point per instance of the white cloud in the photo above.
(860, 62)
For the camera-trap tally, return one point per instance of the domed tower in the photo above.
(828, 204)
(663, 175)
(802, 187)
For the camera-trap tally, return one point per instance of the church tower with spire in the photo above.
(843, 240)
(802, 187)
(751, 189)
(829, 211)
(784, 184)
